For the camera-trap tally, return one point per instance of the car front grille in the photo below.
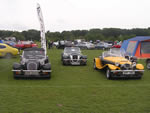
(32, 66)
(126, 66)
(75, 56)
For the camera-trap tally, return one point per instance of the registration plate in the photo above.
(31, 73)
(128, 72)
(75, 63)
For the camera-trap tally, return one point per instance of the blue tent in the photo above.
(138, 46)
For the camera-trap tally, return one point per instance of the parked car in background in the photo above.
(148, 64)
(103, 45)
(85, 45)
(73, 56)
(8, 51)
(10, 43)
(81, 45)
(116, 46)
(68, 44)
(25, 44)
(61, 44)
(56, 43)
(89, 45)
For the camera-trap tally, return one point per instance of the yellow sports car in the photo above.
(118, 65)
(7, 51)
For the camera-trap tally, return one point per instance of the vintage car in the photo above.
(118, 65)
(33, 63)
(73, 56)
(25, 44)
(8, 51)
(148, 64)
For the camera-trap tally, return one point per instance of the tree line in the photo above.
(110, 34)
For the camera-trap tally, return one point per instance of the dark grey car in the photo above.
(33, 63)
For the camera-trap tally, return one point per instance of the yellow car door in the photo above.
(2, 50)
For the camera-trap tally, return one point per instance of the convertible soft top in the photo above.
(34, 49)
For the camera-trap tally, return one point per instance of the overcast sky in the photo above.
(62, 15)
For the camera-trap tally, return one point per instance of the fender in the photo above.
(112, 67)
(140, 66)
(99, 64)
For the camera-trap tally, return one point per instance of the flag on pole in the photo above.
(42, 27)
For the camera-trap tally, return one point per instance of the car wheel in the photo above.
(15, 77)
(148, 65)
(94, 65)
(108, 74)
(63, 63)
(49, 77)
(8, 55)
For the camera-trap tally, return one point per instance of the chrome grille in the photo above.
(31, 66)
(75, 56)
(126, 66)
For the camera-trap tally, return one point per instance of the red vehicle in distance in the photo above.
(25, 44)
(116, 46)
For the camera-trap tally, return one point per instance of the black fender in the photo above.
(17, 66)
(83, 57)
(47, 66)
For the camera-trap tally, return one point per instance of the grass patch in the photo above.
(72, 89)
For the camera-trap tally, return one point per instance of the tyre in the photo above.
(15, 77)
(148, 65)
(8, 55)
(108, 74)
(49, 77)
(94, 65)
(63, 63)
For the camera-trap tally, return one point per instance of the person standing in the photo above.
(49, 43)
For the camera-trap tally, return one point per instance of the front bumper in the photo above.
(75, 61)
(32, 73)
(127, 73)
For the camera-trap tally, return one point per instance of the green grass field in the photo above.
(72, 89)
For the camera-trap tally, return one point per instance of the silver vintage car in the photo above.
(73, 56)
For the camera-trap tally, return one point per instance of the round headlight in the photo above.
(134, 64)
(42, 62)
(116, 64)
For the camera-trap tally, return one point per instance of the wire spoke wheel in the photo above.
(108, 73)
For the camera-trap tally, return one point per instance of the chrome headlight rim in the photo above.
(117, 64)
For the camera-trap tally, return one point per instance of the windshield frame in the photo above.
(33, 55)
(76, 50)
(113, 53)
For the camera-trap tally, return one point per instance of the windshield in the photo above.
(33, 54)
(116, 52)
(72, 50)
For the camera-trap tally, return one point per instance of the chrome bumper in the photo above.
(32, 70)
(127, 71)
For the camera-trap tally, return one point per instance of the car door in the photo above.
(3, 50)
